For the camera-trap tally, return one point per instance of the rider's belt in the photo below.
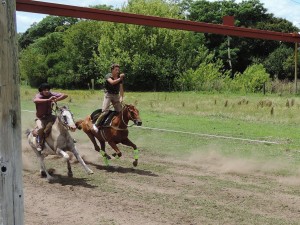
(44, 116)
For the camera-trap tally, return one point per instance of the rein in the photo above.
(122, 117)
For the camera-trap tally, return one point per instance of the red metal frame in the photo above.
(121, 17)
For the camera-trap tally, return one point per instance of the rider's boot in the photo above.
(97, 125)
(95, 128)
(39, 143)
(40, 140)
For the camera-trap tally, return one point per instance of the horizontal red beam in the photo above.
(121, 17)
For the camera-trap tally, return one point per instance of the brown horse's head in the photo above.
(134, 115)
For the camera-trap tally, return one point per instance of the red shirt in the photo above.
(44, 109)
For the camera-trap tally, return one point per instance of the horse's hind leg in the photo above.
(105, 156)
(135, 151)
(43, 170)
(118, 153)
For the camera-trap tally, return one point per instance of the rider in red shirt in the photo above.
(43, 102)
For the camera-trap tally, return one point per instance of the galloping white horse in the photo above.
(58, 141)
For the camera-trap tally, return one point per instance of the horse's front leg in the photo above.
(78, 157)
(66, 157)
(63, 153)
(93, 140)
(135, 151)
(118, 153)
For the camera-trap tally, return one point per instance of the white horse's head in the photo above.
(66, 118)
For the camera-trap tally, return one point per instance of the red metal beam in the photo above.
(121, 17)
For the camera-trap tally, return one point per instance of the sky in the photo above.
(287, 9)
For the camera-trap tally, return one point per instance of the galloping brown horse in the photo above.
(114, 133)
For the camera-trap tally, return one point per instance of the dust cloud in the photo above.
(213, 160)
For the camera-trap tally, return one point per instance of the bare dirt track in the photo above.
(161, 190)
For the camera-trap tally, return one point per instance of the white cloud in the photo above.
(287, 9)
(25, 20)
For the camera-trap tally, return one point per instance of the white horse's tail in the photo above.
(27, 132)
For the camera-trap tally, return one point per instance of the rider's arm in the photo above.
(116, 81)
(41, 100)
(62, 97)
(54, 98)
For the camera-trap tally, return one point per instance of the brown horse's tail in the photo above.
(78, 124)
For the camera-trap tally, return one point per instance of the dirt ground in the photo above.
(161, 190)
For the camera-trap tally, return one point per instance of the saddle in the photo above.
(107, 118)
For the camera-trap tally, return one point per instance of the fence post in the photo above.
(296, 65)
(11, 187)
(93, 84)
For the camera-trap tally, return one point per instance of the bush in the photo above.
(207, 77)
(252, 80)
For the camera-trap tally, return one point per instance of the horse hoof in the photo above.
(50, 179)
(135, 163)
(70, 174)
(43, 174)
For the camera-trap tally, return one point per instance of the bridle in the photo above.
(59, 114)
(125, 106)
(122, 118)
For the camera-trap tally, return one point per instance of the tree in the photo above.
(48, 25)
(250, 14)
(151, 57)
(81, 46)
(36, 60)
(281, 70)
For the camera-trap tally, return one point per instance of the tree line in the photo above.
(68, 52)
